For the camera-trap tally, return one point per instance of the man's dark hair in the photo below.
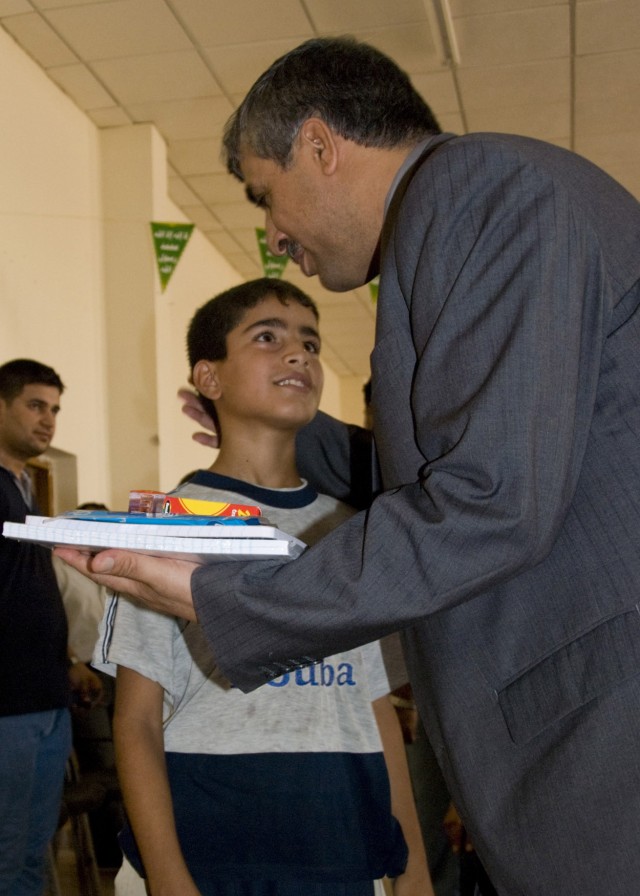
(15, 375)
(357, 90)
(207, 332)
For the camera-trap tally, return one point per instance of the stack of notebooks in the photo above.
(200, 539)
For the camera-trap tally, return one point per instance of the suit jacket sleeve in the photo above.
(338, 460)
(500, 284)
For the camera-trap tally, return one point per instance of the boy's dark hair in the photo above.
(207, 332)
(15, 375)
(357, 90)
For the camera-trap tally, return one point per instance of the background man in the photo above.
(35, 733)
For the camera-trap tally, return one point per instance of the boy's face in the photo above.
(272, 373)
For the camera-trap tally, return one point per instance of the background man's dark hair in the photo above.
(207, 332)
(357, 90)
(15, 375)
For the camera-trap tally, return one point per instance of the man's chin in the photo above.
(40, 447)
(340, 284)
(341, 281)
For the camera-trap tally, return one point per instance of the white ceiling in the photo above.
(567, 71)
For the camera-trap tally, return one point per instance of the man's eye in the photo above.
(312, 347)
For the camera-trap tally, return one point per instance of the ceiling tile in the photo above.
(609, 77)
(438, 89)
(607, 25)
(215, 188)
(549, 122)
(108, 117)
(181, 194)
(14, 7)
(336, 15)
(513, 37)
(412, 46)
(617, 153)
(120, 28)
(225, 242)
(605, 116)
(157, 77)
(202, 218)
(452, 122)
(248, 240)
(38, 39)
(54, 4)
(196, 156)
(199, 117)
(239, 214)
(245, 265)
(82, 86)
(243, 21)
(516, 85)
(479, 7)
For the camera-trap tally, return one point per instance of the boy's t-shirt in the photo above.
(289, 781)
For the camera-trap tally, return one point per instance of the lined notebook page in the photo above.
(198, 543)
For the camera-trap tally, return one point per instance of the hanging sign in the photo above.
(272, 265)
(169, 241)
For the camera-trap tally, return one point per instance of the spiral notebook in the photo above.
(199, 539)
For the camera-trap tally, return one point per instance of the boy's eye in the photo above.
(266, 336)
(312, 347)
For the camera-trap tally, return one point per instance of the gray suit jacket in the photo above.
(506, 541)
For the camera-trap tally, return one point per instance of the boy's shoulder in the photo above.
(302, 511)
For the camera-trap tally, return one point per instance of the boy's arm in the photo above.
(416, 880)
(139, 745)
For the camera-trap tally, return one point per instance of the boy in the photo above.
(283, 792)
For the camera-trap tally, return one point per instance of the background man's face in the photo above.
(28, 422)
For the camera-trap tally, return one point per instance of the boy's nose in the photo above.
(297, 355)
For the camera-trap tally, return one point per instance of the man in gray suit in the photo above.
(505, 540)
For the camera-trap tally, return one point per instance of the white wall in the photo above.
(51, 253)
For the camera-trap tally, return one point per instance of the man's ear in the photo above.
(317, 137)
(205, 378)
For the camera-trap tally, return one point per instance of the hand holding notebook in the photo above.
(164, 583)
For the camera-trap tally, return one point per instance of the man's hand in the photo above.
(192, 408)
(161, 583)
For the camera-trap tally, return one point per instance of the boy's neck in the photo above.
(265, 459)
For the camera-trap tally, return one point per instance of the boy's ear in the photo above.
(205, 378)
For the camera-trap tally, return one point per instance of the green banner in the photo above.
(373, 289)
(272, 265)
(169, 241)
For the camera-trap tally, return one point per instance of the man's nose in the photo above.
(276, 239)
